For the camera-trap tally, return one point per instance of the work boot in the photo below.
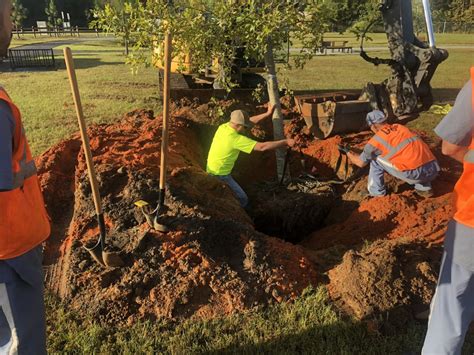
(425, 193)
(365, 195)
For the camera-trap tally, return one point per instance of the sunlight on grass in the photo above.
(308, 325)
(108, 89)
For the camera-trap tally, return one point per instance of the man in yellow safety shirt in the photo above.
(229, 141)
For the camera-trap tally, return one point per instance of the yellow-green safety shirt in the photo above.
(225, 149)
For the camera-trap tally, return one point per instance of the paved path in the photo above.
(65, 42)
(356, 50)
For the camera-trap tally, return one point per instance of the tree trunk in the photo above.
(274, 96)
(126, 46)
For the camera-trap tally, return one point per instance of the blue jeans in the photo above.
(452, 307)
(236, 189)
(421, 178)
(22, 317)
(452, 310)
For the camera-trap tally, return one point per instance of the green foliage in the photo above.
(116, 17)
(462, 11)
(52, 12)
(345, 13)
(214, 29)
(458, 12)
(419, 22)
(369, 18)
(19, 13)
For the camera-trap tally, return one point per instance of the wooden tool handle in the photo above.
(83, 129)
(166, 111)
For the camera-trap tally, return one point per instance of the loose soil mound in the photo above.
(216, 259)
(396, 275)
(393, 278)
(212, 263)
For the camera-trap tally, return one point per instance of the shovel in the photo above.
(152, 217)
(96, 250)
(287, 157)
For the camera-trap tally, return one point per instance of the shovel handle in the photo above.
(285, 165)
(166, 111)
(83, 129)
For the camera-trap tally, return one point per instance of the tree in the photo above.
(461, 11)
(213, 29)
(116, 18)
(19, 14)
(52, 13)
(345, 13)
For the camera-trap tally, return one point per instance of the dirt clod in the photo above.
(394, 278)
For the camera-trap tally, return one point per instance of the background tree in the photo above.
(52, 12)
(345, 13)
(117, 18)
(213, 29)
(19, 14)
(76, 8)
(461, 11)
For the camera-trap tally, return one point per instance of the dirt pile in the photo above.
(382, 254)
(213, 262)
(219, 259)
(392, 278)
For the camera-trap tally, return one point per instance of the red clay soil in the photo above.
(399, 214)
(212, 263)
(395, 278)
(396, 275)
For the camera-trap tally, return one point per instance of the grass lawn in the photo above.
(380, 39)
(108, 89)
(308, 326)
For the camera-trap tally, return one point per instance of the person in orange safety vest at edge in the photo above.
(452, 307)
(398, 151)
(24, 225)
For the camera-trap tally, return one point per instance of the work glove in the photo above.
(344, 149)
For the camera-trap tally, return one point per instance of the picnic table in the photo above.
(339, 45)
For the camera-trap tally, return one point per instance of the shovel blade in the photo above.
(96, 252)
(160, 227)
(112, 259)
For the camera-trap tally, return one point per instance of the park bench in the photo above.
(31, 58)
(339, 45)
(39, 31)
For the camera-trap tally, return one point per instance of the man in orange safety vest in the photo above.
(24, 225)
(395, 150)
(452, 307)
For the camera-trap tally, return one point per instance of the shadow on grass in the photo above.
(85, 63)
(339, 338)
(445, 95)
(342, 338)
